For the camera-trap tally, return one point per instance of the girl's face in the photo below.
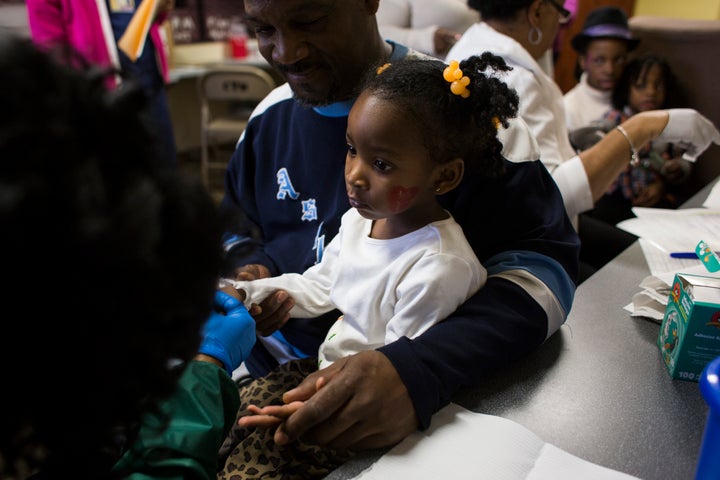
(648, 91)
(388, 170)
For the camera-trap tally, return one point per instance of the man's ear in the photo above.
(448, 175)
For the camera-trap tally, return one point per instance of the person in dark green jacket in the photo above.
(116, 347)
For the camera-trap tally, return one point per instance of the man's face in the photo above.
(604, 62)
(320, 47)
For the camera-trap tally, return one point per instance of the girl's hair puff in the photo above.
(452, 126)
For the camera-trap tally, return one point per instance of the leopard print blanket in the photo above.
(251, 453)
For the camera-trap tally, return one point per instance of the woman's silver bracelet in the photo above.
(634, 159)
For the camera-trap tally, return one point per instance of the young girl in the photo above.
(647, 83)
(399, 263)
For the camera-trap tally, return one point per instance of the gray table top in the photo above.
(598, 388)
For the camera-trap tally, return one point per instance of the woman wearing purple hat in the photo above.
(602, 45)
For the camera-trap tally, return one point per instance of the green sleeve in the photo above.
(200, 414)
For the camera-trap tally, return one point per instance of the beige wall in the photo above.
(13, 18)
(693, 9)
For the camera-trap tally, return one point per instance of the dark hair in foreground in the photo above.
(636, 71)
(452, 126)
(110, 263)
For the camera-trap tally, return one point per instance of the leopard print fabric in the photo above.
(249, 454)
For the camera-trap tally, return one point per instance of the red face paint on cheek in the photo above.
(400, 197)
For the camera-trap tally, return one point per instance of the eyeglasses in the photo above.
(564, 12)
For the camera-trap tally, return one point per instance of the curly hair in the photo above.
(111, 262)
(452, 126)
(636, 71)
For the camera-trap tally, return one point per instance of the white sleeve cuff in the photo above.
(574, 186)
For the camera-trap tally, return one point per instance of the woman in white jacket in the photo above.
(521, 31)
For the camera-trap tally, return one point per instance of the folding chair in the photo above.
(227, 96)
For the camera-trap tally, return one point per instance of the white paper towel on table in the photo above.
(461, 444)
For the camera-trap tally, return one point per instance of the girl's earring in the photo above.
(437, 189)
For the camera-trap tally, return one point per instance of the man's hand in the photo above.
(443, 40)
(357, 403)
(251, 272)
(273, 312)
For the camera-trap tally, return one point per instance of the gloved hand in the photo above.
(689, 127)
(229, 333)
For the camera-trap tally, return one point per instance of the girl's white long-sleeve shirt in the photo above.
(384, 289)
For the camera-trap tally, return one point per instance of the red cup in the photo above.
(238, 46)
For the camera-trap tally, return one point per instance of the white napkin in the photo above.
(463, 445)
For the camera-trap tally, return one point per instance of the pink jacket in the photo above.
(84, 25)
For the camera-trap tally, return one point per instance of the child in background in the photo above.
(400, 263)
(647, 83)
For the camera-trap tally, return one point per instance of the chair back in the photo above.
(228, 95)
(239, 83)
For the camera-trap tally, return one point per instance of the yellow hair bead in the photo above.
(458, 81)
(496, 122)
(449, 72)
(382, 68)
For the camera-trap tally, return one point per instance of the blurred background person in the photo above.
(92, 29)
(647, 83)
(521, 31)
(602, 45)
(429, 26)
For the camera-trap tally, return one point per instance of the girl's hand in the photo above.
(274, 311)
(676, 169)
(650, 195)
(269, 416)
(276, 415)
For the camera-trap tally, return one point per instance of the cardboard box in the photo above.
(689, 336)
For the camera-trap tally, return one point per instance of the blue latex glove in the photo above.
(229, 333)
